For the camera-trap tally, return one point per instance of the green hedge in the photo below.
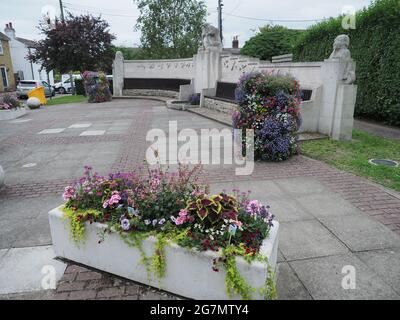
(375, 46)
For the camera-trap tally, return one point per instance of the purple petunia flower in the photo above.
(125, 224)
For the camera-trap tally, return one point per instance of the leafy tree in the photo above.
(79, 43)
(131, 53)
(170, 28)
(271, 41)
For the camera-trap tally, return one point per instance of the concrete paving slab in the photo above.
(360, 233)
(3, 253)
(22, 269)
(326, 205)
(10, 231)
(300, 186)
(308, 239)
(20, 209)
(280, 257)
(288, 285)
(323, 278)
(36, 232)
(287, 209)
(386, 263)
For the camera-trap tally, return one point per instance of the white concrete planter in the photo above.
(12, 114)
(188, 273)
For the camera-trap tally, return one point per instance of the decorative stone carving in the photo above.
(341, 51)
(211, 39)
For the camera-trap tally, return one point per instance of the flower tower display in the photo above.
(269, 104)
(97, 87)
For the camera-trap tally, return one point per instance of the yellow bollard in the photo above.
(38, 93)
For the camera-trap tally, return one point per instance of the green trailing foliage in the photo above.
(375, 46)
(172, 207)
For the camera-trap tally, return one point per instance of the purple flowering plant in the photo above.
(269, 104)
(156, 200)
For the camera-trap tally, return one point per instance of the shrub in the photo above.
(97, 87)
(9, 101)
(375, 46)
(79, 87)
(269, 104)
(271, 41)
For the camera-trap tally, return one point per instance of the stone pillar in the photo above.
(118, 74)
(331, 72)
(343, 120)
(207, 69)
(339, 92)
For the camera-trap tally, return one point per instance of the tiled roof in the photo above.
(28, 43)
(4, 37)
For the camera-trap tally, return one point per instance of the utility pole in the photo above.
(62, 11)
(220, 5)
(71, 78)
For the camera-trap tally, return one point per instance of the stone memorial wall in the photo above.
(328, 85)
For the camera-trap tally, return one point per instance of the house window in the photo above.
(4, 77)
(1, 47)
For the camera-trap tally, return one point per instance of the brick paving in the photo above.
(81, 283)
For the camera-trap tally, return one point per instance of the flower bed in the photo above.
(10, 107)
(163, 229)
(269, 104)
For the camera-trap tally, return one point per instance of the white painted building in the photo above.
(20, 49)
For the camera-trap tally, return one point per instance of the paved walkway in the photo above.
(377, 129)
(330, 219)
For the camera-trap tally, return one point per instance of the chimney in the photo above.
(235, 42)
(9, 31)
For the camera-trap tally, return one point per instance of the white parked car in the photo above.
(64, 86)
(24, 86)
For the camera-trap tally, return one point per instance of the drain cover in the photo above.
(384, 162)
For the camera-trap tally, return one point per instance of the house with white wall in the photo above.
(20, 48)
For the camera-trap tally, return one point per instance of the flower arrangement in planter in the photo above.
(10, 107)
(269, 104)
(9, 102)
(176, 210)
(96, 86)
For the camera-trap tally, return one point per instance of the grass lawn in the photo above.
(353, 156)
(66, 99)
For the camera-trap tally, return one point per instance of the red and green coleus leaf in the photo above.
(206, 202)
(202, 213)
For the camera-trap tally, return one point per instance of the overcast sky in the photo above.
(121, 14)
